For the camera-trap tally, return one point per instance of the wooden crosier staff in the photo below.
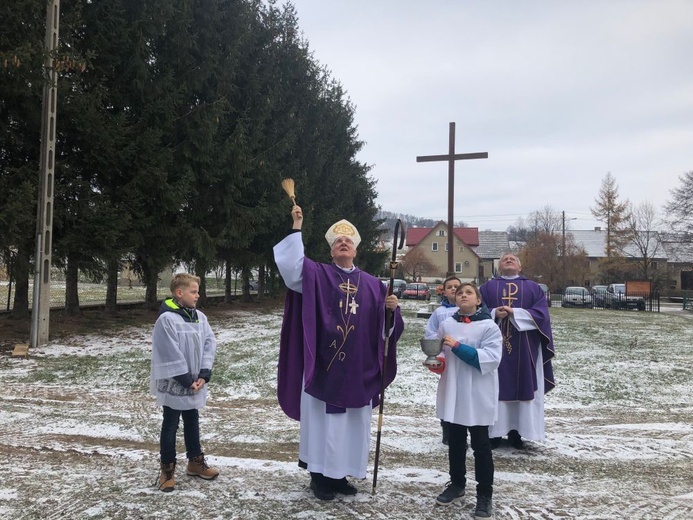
(288, 185)
(389, 315)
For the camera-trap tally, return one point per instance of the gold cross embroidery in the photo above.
(509, 293)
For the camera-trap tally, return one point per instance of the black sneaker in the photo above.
(342, 486)
(484, 508)
(452, 493)
(320, 492)
(515, 440)
(495, 442)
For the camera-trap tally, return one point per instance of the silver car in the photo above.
(576, 297)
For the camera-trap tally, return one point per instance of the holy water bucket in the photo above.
(431, 347)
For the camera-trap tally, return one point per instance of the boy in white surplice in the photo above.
(468, 394)
(183, 347)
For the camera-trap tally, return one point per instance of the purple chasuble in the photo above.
(332, 336)
(517, 371)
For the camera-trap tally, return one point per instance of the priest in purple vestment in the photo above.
(331, 355)
(525, 374)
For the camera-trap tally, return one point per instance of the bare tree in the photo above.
(415, 264)
(545, 220)
(614, 214)
(646, 240)
(576, 265)
(519, 232)
(542, 261)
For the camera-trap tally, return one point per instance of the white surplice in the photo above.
(468, 395)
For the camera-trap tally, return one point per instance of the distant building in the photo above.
(671, 257)
(679, 262)
(593, 241)
(475, 256)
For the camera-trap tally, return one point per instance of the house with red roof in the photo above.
(475, 253)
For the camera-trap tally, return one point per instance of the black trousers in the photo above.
(483, 457)
(191, 434)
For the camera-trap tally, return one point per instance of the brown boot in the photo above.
(166, 481)
(197, 467)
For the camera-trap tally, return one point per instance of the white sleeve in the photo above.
(431, 331)
(440, 334)
(289, 255)
(210, 345)
(522, 319)
(490, 349)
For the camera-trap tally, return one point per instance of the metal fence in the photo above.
(633, 301)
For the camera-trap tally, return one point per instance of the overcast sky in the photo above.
(557, 92)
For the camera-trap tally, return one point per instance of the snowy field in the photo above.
(79, 433)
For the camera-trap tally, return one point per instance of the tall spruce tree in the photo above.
(279, 84)
(158, 32)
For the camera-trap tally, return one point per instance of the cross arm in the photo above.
(456, 157)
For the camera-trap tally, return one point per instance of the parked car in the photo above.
(416, 291)
(576, 297)
(398, 286)
(618, 299)
(599, 295)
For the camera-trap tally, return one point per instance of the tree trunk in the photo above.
(112, 287)
(151, 279)
(20, 308)
(227, 283)
(200, 271)
(245, 281)
(72, 286)
(273, 279)
(260, 282)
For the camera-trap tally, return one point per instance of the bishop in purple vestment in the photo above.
(521, 310)
(331, 354)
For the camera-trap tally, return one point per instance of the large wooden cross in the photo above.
(451, 157)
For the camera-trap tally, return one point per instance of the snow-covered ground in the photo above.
(79, 433)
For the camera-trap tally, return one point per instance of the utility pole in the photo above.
(40, 311)
(563, 241)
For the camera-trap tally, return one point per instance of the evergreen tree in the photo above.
(155, 100)
(208, 53)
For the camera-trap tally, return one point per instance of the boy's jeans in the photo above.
(483, 457)
(191, 434)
